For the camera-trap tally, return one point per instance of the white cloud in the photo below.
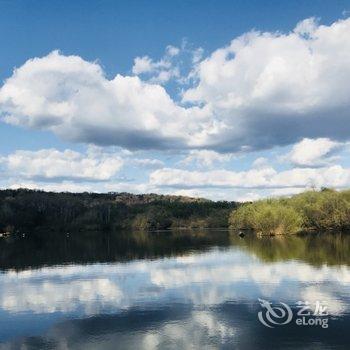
(214, 178)
(197, 55)
(262, 90)
(205, 158)
(286, 192)
(314, 152)
(163, 76)
(172, 50)
(72, 98)
(145, 64)
(260, 163)
(272, 89)
(306, 27)
(51, 164)
(147, 163)
(159, 71)
(264, 178)
(142, 65)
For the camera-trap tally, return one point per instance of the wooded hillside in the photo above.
(29, 210)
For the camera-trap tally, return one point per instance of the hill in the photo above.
(30, 210)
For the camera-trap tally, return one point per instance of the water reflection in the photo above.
(47, 249)
(316, 249)
(194, 296)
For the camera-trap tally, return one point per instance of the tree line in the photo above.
(30, 210)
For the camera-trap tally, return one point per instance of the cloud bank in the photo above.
(54, 165)
(267, 177)
(262, 90)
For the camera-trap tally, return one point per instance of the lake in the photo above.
(202, 289)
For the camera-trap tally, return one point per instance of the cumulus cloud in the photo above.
(260, 162)
(262, 90)
(148, 163)
(205, 158)
(172, 50)
(158, 71)
(51, 164)
(142, 65)
(214, 178)
(272, 88)
(263, 178)
(72, 98)
(314, 152)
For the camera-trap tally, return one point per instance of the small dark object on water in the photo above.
(241, 234)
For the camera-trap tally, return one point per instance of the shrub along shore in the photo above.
(325, 210)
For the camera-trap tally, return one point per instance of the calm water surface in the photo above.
(179, 290)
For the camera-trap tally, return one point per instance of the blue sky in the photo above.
(228, 100)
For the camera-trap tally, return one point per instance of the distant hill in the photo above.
(132, 199)
(30, 210)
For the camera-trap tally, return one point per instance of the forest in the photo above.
(25, 211)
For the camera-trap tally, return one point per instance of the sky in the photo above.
(228, 100)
